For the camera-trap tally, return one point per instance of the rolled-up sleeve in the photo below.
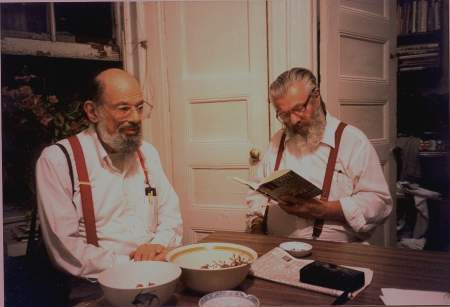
(370, 202)
(60, 221)
(255, 201)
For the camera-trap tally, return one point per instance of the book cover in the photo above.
(284, 186)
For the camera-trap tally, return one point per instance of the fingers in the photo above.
(161, 256)
(147, 252)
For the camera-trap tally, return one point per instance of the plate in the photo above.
(297, 249)
(228, 299)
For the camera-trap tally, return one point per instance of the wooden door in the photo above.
(358, 77)
(217, 85)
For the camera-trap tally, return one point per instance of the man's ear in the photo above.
(91, 111)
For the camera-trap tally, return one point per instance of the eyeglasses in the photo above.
(298, 109)
(123, 110)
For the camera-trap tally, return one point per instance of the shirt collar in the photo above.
(103, 155)
(101, 152)
(330, 130)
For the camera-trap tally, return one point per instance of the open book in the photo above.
(284, 186)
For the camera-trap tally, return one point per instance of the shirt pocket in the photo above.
(342, 183)
(151, 205)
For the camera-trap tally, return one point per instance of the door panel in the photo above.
(358, 76)
(218, 106)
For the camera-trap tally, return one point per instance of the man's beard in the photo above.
(118, 141)
(306, 138)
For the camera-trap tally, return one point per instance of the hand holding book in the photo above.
(284, 186)
(310, 208)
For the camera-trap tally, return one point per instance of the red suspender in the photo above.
(141, 160)
(280, 152)
(85, 191)
(326, 187)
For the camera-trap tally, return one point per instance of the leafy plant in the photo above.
(59, 119)
(31, 120)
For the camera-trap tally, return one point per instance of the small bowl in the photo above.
(297, 249)
(228, 299)
(128, 284)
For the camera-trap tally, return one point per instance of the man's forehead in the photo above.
(296, 88)
(122, 93)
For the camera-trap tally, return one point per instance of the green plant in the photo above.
(59, 119)
(31, 120)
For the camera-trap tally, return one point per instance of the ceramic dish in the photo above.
(130, 283)
(228, 299)
(297, 249)
(209, 267)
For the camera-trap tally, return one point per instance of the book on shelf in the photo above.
(284, 186)
(414, 62)
(416, 68)
(419, 16)
(412, 47)
(419, 55)
(401, 52)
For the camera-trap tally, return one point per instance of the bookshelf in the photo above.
(420, 24)
(423, 104)
(422, 86)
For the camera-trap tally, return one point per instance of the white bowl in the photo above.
(194, 258)
(143, 280)
(297, 249)
(228, 299)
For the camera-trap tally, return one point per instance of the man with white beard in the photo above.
(358, 198)
(135, 209)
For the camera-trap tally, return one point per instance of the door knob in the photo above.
(255, 155)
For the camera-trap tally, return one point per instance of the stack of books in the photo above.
(418, 56)
(416, 16)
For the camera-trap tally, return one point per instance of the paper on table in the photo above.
(279, 266)
(392, 296)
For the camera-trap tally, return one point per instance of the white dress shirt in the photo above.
(123, 215)
(358, 184)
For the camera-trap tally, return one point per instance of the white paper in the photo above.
(279, 266)
(392, 296)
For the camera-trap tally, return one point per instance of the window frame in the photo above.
(47, 45)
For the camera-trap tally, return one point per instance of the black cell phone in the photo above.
(332, 276)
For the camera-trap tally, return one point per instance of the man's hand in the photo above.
(316, 209)
(257, 225)
(149, 251)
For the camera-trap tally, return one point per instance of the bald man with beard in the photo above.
(130, 226)
(359, 198)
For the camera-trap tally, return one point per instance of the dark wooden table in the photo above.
(393, 268)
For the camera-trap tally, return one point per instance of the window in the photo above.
(61, 45)
(42, 29)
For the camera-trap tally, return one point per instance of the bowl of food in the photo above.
(209, 267)
(228, 299)
(297, 249)
(143, 282)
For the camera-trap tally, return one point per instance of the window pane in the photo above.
(84, 22)
(18, 19)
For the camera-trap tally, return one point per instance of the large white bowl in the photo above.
(145, 280)
(191, 259)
